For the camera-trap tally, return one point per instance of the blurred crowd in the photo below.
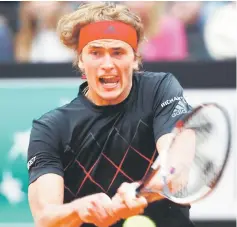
(175, 31)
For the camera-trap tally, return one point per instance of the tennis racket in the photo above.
(194, 160)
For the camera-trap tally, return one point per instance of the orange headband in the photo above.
(107, 30)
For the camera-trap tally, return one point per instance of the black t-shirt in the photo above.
(97, 148)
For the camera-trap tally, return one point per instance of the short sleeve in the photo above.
(169, 105)
(44, 149)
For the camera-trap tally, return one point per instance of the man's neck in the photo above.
(97, 100)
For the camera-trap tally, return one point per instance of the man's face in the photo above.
(108, 65)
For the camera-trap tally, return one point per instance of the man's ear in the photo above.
(80, 63)
(136, 62)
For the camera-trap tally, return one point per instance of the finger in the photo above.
(119, 207)
(98, 210)
(122, 210)
(101, 209)
(95, 216)
(134, 205)
(131, 200)
(126, 203)
(104, 203)
(109, 217)
(125, 187)
(100, 221)
(117, 203)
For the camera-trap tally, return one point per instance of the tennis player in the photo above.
(85, 159)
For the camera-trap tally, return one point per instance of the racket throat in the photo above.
(146, 180)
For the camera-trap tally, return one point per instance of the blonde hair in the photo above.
(69, 25)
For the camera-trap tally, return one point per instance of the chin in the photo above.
(110, 96)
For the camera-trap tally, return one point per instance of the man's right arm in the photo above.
(46, 203)
(46, 182)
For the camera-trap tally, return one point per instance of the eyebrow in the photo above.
(94, 46)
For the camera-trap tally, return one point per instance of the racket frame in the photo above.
(156, 166)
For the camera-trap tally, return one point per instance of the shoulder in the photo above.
(153, 79)
(147, 76)
(57, 117)
(154, 86)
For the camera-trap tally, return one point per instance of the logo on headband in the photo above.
(110, 29)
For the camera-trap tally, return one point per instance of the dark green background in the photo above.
(19, 105)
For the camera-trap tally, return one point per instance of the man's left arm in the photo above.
(169, 106)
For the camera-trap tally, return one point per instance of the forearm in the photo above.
(59, 216)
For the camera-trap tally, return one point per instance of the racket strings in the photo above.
(203, 169)
(209, 170)
(196, 156)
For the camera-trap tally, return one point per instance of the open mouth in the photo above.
(109, 80)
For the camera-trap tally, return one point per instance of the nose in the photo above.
(107, 64)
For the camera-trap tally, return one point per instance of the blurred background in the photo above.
(196, 41)
(175, 31)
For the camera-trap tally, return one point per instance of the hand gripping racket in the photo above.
(194, 160)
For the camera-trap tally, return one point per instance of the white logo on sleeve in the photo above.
(31, 162)
(169, 101)
(180, 108)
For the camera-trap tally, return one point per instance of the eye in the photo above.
(117, 53)
(95, 53)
